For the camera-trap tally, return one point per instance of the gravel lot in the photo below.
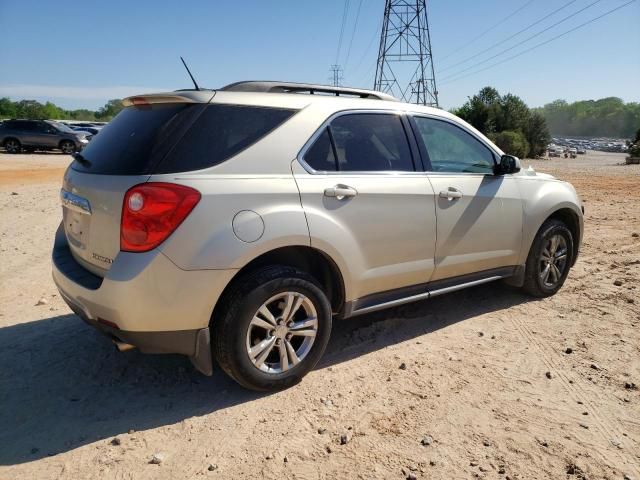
(483, 383)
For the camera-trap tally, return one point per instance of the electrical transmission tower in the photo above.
(336, 75)
(405, 63)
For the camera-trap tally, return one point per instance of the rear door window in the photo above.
(367, 142)
(177, 137)
(320, 155)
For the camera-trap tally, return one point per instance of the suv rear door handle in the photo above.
(451, 193)
(340, 192)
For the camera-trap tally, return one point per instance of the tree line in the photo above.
(607, 117)
(34, 110)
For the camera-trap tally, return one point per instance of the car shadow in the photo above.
(63, 385)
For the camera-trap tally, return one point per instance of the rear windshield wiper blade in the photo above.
(81, 160)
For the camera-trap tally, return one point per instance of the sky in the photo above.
(80, 54)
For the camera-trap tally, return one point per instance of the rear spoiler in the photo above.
(190, 97)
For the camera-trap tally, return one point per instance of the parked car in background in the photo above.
(239, 223)
(581, 151)
(555, 151)
(86, 128)
(31, 135)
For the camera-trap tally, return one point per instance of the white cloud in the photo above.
(75, 93)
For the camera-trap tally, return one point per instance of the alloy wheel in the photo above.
(282, 332)
(67, 147)
(12, 146)
(553, 260)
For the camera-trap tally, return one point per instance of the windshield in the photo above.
(62, 127)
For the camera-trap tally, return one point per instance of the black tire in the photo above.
(230, 328)
(12, 145)
(534, 283)
(68, 147)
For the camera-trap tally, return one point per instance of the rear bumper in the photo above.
(144, 300)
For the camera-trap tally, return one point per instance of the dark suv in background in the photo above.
(30, 135)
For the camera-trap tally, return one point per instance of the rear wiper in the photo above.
(81, 160)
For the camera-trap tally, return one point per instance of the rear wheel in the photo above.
(12, 145)
(274, 329)
(68, 147)
(549, 260)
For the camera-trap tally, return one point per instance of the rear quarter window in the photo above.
(219, 133)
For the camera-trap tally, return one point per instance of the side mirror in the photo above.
(508, 164)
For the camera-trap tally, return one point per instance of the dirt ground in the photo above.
(472, 384)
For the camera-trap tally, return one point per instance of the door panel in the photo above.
(47, 136)
(386, 233)
(479, 214)
(479, 230)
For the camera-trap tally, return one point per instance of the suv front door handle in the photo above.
(340, 192)
(451, 193)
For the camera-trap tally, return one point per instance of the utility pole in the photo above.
(336, 75)
(405, 61)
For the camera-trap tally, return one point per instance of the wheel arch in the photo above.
(571, 219)
(311, 260)
(568, 215)
(10, 137)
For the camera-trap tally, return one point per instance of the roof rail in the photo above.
(291, 87)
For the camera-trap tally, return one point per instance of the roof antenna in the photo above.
(189, 72)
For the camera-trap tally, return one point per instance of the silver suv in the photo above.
(237, 224)
(31, 135)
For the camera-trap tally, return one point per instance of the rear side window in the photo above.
(219, 133)
(169, 138)
(363, 142)
(22, 125)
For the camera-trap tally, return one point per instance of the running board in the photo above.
(424, 296)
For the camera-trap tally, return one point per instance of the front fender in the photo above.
(541, 199)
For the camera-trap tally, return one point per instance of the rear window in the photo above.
(169, 138)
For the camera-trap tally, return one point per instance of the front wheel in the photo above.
(67, 147)
(549, 260)
(274, 328)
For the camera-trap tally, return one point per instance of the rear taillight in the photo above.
(151, 212)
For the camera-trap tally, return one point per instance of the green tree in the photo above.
(30, 109)
(493, 114)
(52, 111)
(512, 142)
(7, 108)
(110, 109)
(537, 134)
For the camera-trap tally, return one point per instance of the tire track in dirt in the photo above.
(608, 428)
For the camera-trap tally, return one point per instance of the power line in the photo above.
(345, 11)
(568, 17)
(366, 51)
(488, 30)
(509, 38)
(542, 43)
(353, 33)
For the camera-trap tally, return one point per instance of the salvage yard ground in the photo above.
(481, 383)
